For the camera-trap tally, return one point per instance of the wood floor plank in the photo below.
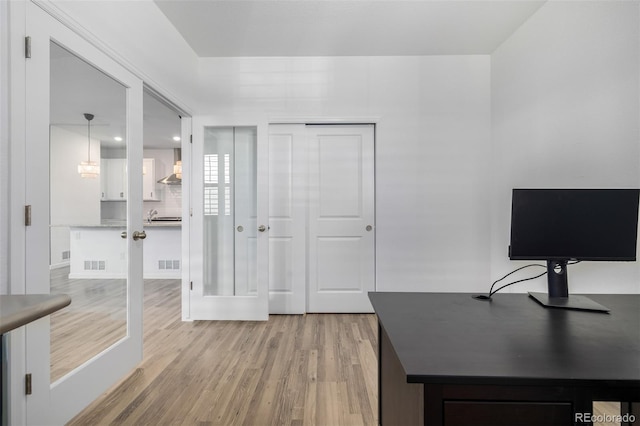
(290, 370)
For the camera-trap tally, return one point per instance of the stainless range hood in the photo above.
(174, 178)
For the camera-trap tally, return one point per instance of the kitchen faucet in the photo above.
(152, 213)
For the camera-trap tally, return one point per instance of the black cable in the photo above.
(515, 282)
(511, 273)
(491, 292)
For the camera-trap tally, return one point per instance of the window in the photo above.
(212, 187)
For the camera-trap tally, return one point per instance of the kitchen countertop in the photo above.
(161, 224)
(17, 310)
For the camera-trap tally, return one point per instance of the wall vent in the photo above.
(66, 255)
(95, 265)
(169, 264)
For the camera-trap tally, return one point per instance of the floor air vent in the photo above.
(94, 265)
(168, 264)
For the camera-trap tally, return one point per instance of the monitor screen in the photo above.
(574, 224)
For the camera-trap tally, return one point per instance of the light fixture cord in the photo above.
(89, 141)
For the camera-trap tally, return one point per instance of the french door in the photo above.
(228, 226)
(78, 101)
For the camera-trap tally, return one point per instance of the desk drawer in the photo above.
(499, 413)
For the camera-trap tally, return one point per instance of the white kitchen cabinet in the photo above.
(149, 190)
(113, 179)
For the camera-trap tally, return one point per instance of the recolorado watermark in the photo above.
(604, 418)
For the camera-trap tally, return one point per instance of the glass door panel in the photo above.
(88, 209)
(229, 214)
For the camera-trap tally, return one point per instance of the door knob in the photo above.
(123, 235)
(139, 235)
(262, 228)
(369, 228)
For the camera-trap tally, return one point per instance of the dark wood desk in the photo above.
(447, 359)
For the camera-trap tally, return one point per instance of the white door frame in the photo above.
(16, 346)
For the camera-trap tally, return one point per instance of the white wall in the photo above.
(565, 113)
(432, 148)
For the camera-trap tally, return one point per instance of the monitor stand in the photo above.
(558, 291)
(579, 303)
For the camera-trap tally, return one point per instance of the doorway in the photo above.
(162, 188)
(322, 218)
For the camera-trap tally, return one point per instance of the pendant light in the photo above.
(89, 169)
(177, 169)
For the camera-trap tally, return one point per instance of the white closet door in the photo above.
(287, 218)
(341, 218)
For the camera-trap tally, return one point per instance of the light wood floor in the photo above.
(291, 370)
(312, 369)
(95, 320)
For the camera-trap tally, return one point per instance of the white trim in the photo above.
(81, 276)
(153, 86)
(174, 275)
(185, 133)
(325, 120)
(4, 146)
(16, 340)
(59, 265)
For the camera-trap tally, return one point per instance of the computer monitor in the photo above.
(564, 225)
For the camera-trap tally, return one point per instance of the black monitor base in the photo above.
(579, 303)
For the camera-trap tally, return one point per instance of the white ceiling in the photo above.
(345, 27)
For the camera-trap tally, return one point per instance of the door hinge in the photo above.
(27, 384)
(27, 47)
(191, 285)
(27, 215)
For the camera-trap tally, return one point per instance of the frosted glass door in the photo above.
(230, 212)
(226, 186)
